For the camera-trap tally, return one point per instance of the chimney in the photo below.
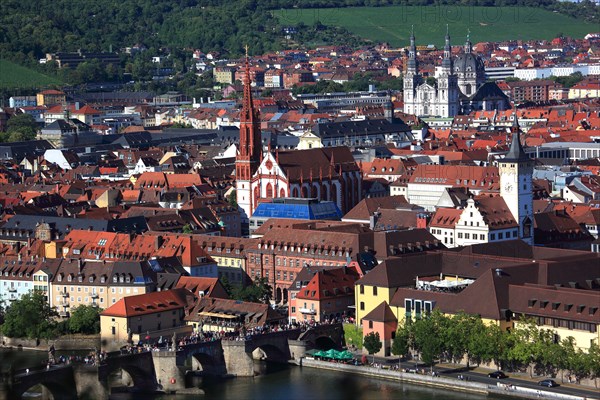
(373, 220)
(79, 265)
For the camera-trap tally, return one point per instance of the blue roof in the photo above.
(322, 210)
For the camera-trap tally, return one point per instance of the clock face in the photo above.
(508, 187)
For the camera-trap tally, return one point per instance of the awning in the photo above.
(217, 315)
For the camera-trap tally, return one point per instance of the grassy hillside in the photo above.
(16, 76)
(393, 24)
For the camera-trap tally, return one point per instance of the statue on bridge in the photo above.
(51, 355)
(174, 341)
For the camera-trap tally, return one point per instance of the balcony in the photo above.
(307, 311)
(12, 289)
(94, 295)
(64, 294)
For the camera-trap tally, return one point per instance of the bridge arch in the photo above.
(205, 362)
(325, 343)
(134, 376)
(269, 352)
(57, 390)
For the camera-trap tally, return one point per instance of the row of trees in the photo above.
(32, 317)
(29, 30)
(437, 337)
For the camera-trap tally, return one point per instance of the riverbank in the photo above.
(438, 381)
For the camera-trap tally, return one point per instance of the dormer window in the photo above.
(115, 279)
(69, 278)
(59, 278)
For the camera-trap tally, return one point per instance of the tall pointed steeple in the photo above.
(447, 61)
(516, 152)
(412, 54)
(249, 156)
(250, 138)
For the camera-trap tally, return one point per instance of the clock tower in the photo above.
(516, 170)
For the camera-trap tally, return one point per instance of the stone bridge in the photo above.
(59, 381)
(139, 367)
(150, 371)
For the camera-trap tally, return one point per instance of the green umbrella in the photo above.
(345, 355)
(331, 353)
(320, 353)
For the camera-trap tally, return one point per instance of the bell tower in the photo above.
(516, 170)
(412, 79)
(250, 150)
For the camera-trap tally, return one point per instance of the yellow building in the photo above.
(98, 283)
(309, 141)
(146, 317)
(585, 90)
(224, 74)
(51, 97)
(498, 282)
(568, 312)
(229, 254)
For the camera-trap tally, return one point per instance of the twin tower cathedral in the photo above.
(459, 86)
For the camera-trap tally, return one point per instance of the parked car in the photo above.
(497, 375)
(548, 383)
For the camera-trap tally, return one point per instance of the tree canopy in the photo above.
(30, 317)
(20, 127)
(85, 319)
(372, 343)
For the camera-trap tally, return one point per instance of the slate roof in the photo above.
(331, 130)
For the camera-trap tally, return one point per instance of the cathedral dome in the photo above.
(468, 62)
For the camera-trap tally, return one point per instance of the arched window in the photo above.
(269, 190)
(526, 227)
(282, 192)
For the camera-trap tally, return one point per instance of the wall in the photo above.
(71, 342)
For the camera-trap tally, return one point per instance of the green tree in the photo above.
(30, 317)
(85, 319)
(187, 229)
(401, 342)
(258, 292)
(429, 336)
(521, 345)
(21, 127)
(232, 199)
(593, 360)
(372, 343)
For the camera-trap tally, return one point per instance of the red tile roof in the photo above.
(149, 303)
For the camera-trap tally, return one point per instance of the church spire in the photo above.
(447, 61)
(516, 152)
(250, 138)
(468, 45)
(412, 53)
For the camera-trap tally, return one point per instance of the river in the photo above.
(282, 382)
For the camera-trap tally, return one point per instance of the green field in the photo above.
(16, 76)
(393, 24)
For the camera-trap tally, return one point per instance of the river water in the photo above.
(281, 382)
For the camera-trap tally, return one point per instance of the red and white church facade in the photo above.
(328, 174)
